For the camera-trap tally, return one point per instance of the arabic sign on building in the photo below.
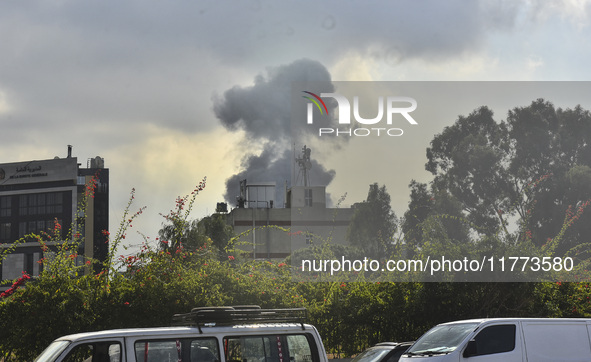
(58, 169)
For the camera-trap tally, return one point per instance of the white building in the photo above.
(267, 232)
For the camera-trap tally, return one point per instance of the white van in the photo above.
(219, 334)
(506, 340)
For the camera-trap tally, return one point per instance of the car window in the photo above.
(380, 354)
(270, 348)
(495, 339)
(52, 351)
(299, 348)
(187, 349)
(442, 338)
(395, 356)
(372, 354)
(95, 352)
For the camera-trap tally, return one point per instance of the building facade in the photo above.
(267, 232)
(39, 196)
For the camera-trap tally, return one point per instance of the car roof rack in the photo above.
(240, 314)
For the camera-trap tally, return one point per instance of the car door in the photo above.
(104, 350)
(498, 342)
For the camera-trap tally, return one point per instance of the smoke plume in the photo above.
(264, 112)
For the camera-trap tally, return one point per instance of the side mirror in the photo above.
(471, 349)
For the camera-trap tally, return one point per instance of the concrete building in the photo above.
(267, 232)
(36, 194)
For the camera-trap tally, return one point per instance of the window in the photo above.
(5, 206)
(36, 226)
(29, 263)
(48, 203)
(193, 350)
(495, 339)
(299, 348)
(308, 197)
(22, 205)
(35, 204)
(270, 348)
(204, 350)
(394, 357)
(52, 351)
(55, 202)
(95, 352)
(5, 232)
(442, 338)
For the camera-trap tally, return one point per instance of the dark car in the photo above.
(383, 352)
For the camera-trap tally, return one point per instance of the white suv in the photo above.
(218, 334)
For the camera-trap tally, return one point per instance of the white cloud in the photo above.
(534, 62)
(355, 67)
(4, 104)
(575, 12)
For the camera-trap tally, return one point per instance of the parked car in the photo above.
(505, 339)
(218, 334)
(383, 352)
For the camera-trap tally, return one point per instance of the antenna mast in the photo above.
(305, 165)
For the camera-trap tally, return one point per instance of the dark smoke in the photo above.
(263, 111)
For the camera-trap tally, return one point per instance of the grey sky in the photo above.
(136, 82)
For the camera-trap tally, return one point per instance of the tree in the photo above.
(179, 229)
(215, 228)
(210, 230)
(374, 223)
(428, 204)
(533, 169)
(469, 160)
(176, 234)
(551, 151)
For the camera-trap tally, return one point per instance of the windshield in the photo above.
(442, 339)
(372, 354)
(51, 352)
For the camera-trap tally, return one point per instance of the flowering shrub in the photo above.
(142, 289)
(17, 284)
(147, 287)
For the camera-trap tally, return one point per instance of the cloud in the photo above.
(4, 104)
(97, 61)
(119, 78)
(575, 12)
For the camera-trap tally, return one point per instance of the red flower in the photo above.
(20, 281)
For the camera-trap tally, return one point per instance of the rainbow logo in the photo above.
(315, 100)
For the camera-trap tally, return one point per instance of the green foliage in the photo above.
(468, 160)
(142, 289)
(498, 171)
(219, 231)
(431, 211)
(374, 223)
(178, 231)
(194, 264)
